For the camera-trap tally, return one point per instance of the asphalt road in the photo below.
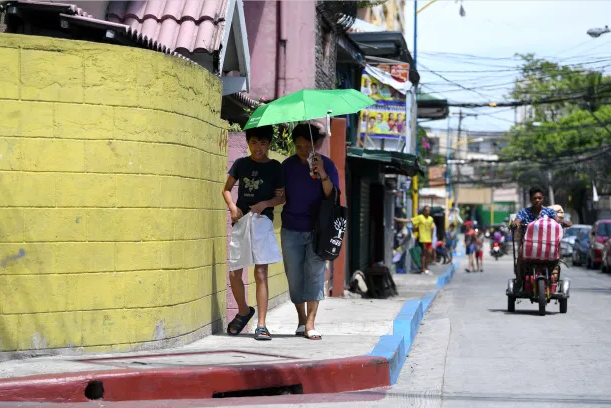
(470, 352)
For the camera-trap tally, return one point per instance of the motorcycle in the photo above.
(496, 251)
(541, 282)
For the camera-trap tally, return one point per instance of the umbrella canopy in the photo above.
(309, 104)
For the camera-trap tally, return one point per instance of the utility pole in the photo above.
(460, 118)
(552, 199)
(492, 196)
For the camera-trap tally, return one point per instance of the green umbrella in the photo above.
(309, 104)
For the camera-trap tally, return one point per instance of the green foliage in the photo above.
(282, 142)
(568, 127)
(235, 127)
(423, 151)
(542, 79)
(576, 126)
(369, 3)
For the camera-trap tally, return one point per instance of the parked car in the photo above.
(605, 265)
(599, 235)
(580, 246)
(570, 234)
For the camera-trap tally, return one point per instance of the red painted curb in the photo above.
(324, 376)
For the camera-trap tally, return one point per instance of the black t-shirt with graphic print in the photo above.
(257, 182)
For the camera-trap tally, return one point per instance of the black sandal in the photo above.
(239, 322)
(261, 333)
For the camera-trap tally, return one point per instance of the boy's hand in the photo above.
(259, 207)
(236, 214)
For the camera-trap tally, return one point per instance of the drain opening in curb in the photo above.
(261, 392)
(94, 390)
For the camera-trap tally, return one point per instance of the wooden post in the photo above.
(338, 155)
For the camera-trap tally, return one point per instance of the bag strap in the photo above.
(337, 194)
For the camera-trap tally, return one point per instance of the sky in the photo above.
(477, 51)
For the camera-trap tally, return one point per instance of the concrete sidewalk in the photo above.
(351, 328)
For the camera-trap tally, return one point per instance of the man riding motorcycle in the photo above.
(498, 240)
(529, 214)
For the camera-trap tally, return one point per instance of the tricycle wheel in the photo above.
(542, 296)
(564, 305)
(511, 304)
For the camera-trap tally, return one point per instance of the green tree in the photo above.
(567, 137)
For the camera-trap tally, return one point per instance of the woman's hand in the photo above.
(319, 165)
(236, 214)
(279, 192)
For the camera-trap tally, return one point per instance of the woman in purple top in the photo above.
(304, 194)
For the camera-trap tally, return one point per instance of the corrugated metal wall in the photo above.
(364, 227)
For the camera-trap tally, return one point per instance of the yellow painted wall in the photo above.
(112, 231)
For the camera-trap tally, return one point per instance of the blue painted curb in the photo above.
(396, 347)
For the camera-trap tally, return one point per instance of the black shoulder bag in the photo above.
(330, 227)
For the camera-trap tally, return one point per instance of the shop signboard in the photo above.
(387, 119)
(437, 176)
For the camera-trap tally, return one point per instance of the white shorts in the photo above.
(253, 242)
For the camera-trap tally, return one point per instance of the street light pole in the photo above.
(415, 128)
(597, 32)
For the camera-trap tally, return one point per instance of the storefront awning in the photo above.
(394, 162)
(386, 44)
(432, 108)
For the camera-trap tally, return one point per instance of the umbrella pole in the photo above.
(310, 158)
(311, 137)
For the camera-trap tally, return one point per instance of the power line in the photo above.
(516, 69)
(558, 128)
(515, 57)
(456, 83)
(507, 104)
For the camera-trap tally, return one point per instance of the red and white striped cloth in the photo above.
(542, 240)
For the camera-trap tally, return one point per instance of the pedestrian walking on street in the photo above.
(304, 194)
(253, 242)
(425, 225)
(451, 239)
(470, 240)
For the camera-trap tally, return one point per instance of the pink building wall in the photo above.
(283, 72)
(296, 32)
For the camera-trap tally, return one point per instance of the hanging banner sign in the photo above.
(387, 118)
(437, 176)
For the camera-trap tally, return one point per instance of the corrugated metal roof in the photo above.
(55, 6)
(76, 16)
(125, 31)
(179, 25)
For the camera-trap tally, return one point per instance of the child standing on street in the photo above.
(252, 236)
(479, 250)
(470, 247)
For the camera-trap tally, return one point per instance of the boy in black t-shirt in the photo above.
(253, 241)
